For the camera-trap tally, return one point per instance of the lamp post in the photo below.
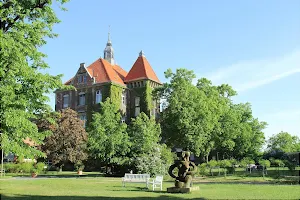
(1, 156)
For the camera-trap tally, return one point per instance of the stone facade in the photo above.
(95, 83)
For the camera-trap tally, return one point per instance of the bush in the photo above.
(155, 162)
(11, 167)
(25, 167)
(40, 167)
(291, 165)
(202, 169)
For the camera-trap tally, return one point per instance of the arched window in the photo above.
(65, 101)
(98, 96)
(81, 98)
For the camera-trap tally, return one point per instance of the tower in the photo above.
(109, 51)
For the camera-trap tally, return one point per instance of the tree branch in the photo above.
(9, 25)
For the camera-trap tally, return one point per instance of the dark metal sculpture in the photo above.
(186, 170)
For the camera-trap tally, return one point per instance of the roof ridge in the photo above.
(106, 68)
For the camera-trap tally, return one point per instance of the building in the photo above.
(104, 78)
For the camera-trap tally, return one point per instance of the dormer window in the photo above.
(81, 98)
(98, 96)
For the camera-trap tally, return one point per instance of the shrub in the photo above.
(25, 167)
(40, 167)
(11, 167)
(202, 169)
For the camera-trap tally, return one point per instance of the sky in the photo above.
(254, 46)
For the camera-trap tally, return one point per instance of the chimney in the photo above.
(82, 64)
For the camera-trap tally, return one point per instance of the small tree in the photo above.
(212, 164)
(154, 162)
(108, 139)
(264, 164)
(225, 164)
(68, 142)
(246, 162)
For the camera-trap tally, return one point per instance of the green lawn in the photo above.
(110, 188)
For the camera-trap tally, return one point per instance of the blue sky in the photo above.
(252, 45)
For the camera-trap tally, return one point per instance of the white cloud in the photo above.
(247, 75)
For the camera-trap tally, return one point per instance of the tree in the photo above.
(188, 119)
(68, 141)
(283, 142)
(148, 155)
(212, 164)
(264, 164)
(225, 164)
(144, 133)
(204, 119)
(24, 27)
(246, 163)
(108, 139)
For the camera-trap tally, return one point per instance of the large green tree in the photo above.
(187, 119)
(284, 142)
(203, 118)
(107, 137)
(24, 27)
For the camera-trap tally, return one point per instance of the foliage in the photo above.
(79, 166)
(40, 166)
(147, 98)
(245, 162)
(148, 155)
(265, 163)
(202, 169)
(108, 140)
(279, 163)
(25, 167)
(144, 133)
(290, 164)
(68, 142)
(203, 119)
(283, 142)
(24, 27)
(187, 119)
(115, 94)
(153, 162)
(212, 164)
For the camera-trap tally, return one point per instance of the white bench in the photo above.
(156, 183)
(136, 178)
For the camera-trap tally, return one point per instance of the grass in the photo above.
(111, 188)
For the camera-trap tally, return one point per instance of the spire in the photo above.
(141, 54)
(109, 51)
(108, 39)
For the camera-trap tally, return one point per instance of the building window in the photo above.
(66, 101)
(124, 98)
(137, 101)
(137, 106)
(81, 99)
(98, 96)
(83, 118)
(82, 78)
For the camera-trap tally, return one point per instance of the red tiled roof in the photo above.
(141, 69)
(104, 72)
(121, 72)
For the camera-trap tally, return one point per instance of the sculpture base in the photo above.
(182, 190)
